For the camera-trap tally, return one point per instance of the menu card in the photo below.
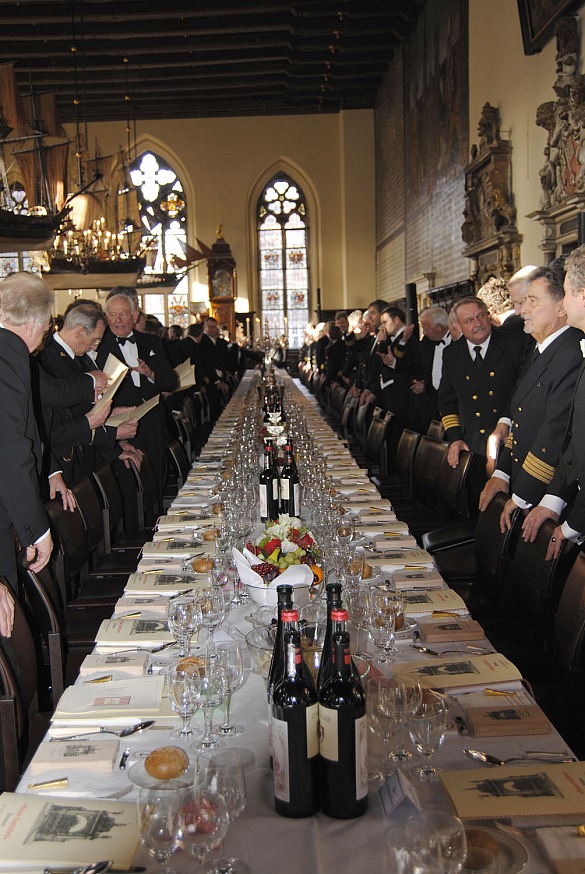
(450, 629)
(177, 548)
(88, 755)
(410, 559)
(462, 672)
(35, 831)
(118, 702)
(187, 519)
(159, 583)
(503, 715)
(423, 579)
(133, 632)
(127, 662)
(532, 789)
(441, 600)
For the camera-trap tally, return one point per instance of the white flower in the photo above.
(288, 546)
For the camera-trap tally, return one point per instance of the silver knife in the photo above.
(124, 758)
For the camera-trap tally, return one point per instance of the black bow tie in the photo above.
(123, 340)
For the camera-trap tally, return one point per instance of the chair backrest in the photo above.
(362, 420)
(18, 701)
(72, 547)
(148, 484)
(425, 473)
(349, 407)
(436, 430)
(111, 500)
(404, 457)
(452, 485)
(569, 631)
(493, 549)
(91, 510)
(179, 461)
(41, 599)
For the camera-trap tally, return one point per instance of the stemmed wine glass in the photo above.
(203, 822)
(451, 840)
(427, 731)
(158, 820)
(212, 605)
(221, 772)
(184, 619)
(385, 606)
(412, 695)
(356, 599)
(233, 578)
(229, 656)
(213, 688)
(216, 574)
(387, 710)
(184, 686)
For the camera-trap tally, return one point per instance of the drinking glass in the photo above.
(184, 686)
(184, 619)
(480, 860)
(356, 599)
(213, 686)
(203, 822)
(354, 567)
(216, 574)
(221, 771)
(412, 695)
(427, 730)
(158, 823)
(385, 606)
(212, 605)
(451, 840)
(229, 656)
(233, 579)
(411, 848)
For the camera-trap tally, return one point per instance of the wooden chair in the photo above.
(112, 503)
(436, 430)
(375, 447)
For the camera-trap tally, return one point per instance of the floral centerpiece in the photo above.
(282, 544)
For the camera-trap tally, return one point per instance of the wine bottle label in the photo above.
(297, 507)
(284, 489)
(328, 734)
(263, 501)
(361, 757)
(270, 740)
(275, 490)
(280, 759)
(312, 730)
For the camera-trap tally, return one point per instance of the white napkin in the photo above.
(295, 575)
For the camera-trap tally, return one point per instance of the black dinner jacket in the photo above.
(150, 349)
(20, 448)
(540, 412)
(471, 400)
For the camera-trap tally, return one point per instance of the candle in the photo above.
(247, 326)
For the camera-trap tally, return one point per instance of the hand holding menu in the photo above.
(115, 370)
(138, 413)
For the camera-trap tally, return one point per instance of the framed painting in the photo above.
(537, 20)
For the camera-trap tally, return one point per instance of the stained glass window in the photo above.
(282, 224)
(162, 209)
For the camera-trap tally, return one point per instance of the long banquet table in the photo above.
(265, 840)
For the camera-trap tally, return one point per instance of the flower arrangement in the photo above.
(283, 543)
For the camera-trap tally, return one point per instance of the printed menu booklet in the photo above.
(423, 579)
(138, 413)
(176, 548)
(188, 519)
(439, 600)
(88, 755)
(133, 663)
(503, 715)
(410, 559)
(119, 702)
(133, 632)
(150, 604)
(463, 672)
(36, 831)
(535, 790)
(185, 375)
(157, 582)
(449, 629)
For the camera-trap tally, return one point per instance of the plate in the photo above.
(138, 774)
(407, 628)
(512, 855)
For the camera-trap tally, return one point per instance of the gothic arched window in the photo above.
(282, 223)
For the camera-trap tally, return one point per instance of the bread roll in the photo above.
(367, 571)
(211, 534)
(166, 763)
(190, 661)
(477, 837)
(203, 564)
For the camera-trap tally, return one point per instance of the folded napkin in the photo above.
(296, 575)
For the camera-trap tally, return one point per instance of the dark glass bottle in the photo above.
(333, 595)
(295, 714)
(343, 738)
(268, 484)
(289, 485)
(284, 596)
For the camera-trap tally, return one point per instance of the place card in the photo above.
(399, 798)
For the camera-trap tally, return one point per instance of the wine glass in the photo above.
(184, 686)
(411, 848)
(233, 578)
(212, 605)
(184, 619)
(427, 730)
(412, 695)
(221, 771)
(203, 822)
(384, 605)
(451, 840)
(158, 820)
(356, 599)
(229, 656)
(389, 713)
(353, 571)
(213, 686)
(216, 573)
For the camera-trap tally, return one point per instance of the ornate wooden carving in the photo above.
(489, 228)
(222, 279)
(562, 175)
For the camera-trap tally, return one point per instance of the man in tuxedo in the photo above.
(565, 493)
(479, 375)
(541, 402)
(398, 363)
(434, 321)
(214, 360)
(25, 315)
(150, 373)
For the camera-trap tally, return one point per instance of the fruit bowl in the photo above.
(267, 595)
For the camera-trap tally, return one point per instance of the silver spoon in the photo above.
(92, 868)
(125, 732)
(488, 759)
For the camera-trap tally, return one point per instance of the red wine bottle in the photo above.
(295, 715)
(268, 484)
(275, 672)
(343, 738)
(333, 595)
(289, 485)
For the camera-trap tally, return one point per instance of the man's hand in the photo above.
(127, 429)
(455, 450)
(388, 357)
(381, 336)
(506, 518)
(144, 369)
(97, 419)
(491, 488)
(366, 397)
(417, 386)
(6, 611)
(57, 487)
(130, 452)
(39, 554)
(100, 380)
(556, 544)
(355, 391)
(534, 520)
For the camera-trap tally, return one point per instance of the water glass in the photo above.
(184, 619)
(229, 656)
(427, 731)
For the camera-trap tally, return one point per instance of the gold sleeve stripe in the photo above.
(538, 469)
(399, 351)
(452, 421)
(509, 441)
